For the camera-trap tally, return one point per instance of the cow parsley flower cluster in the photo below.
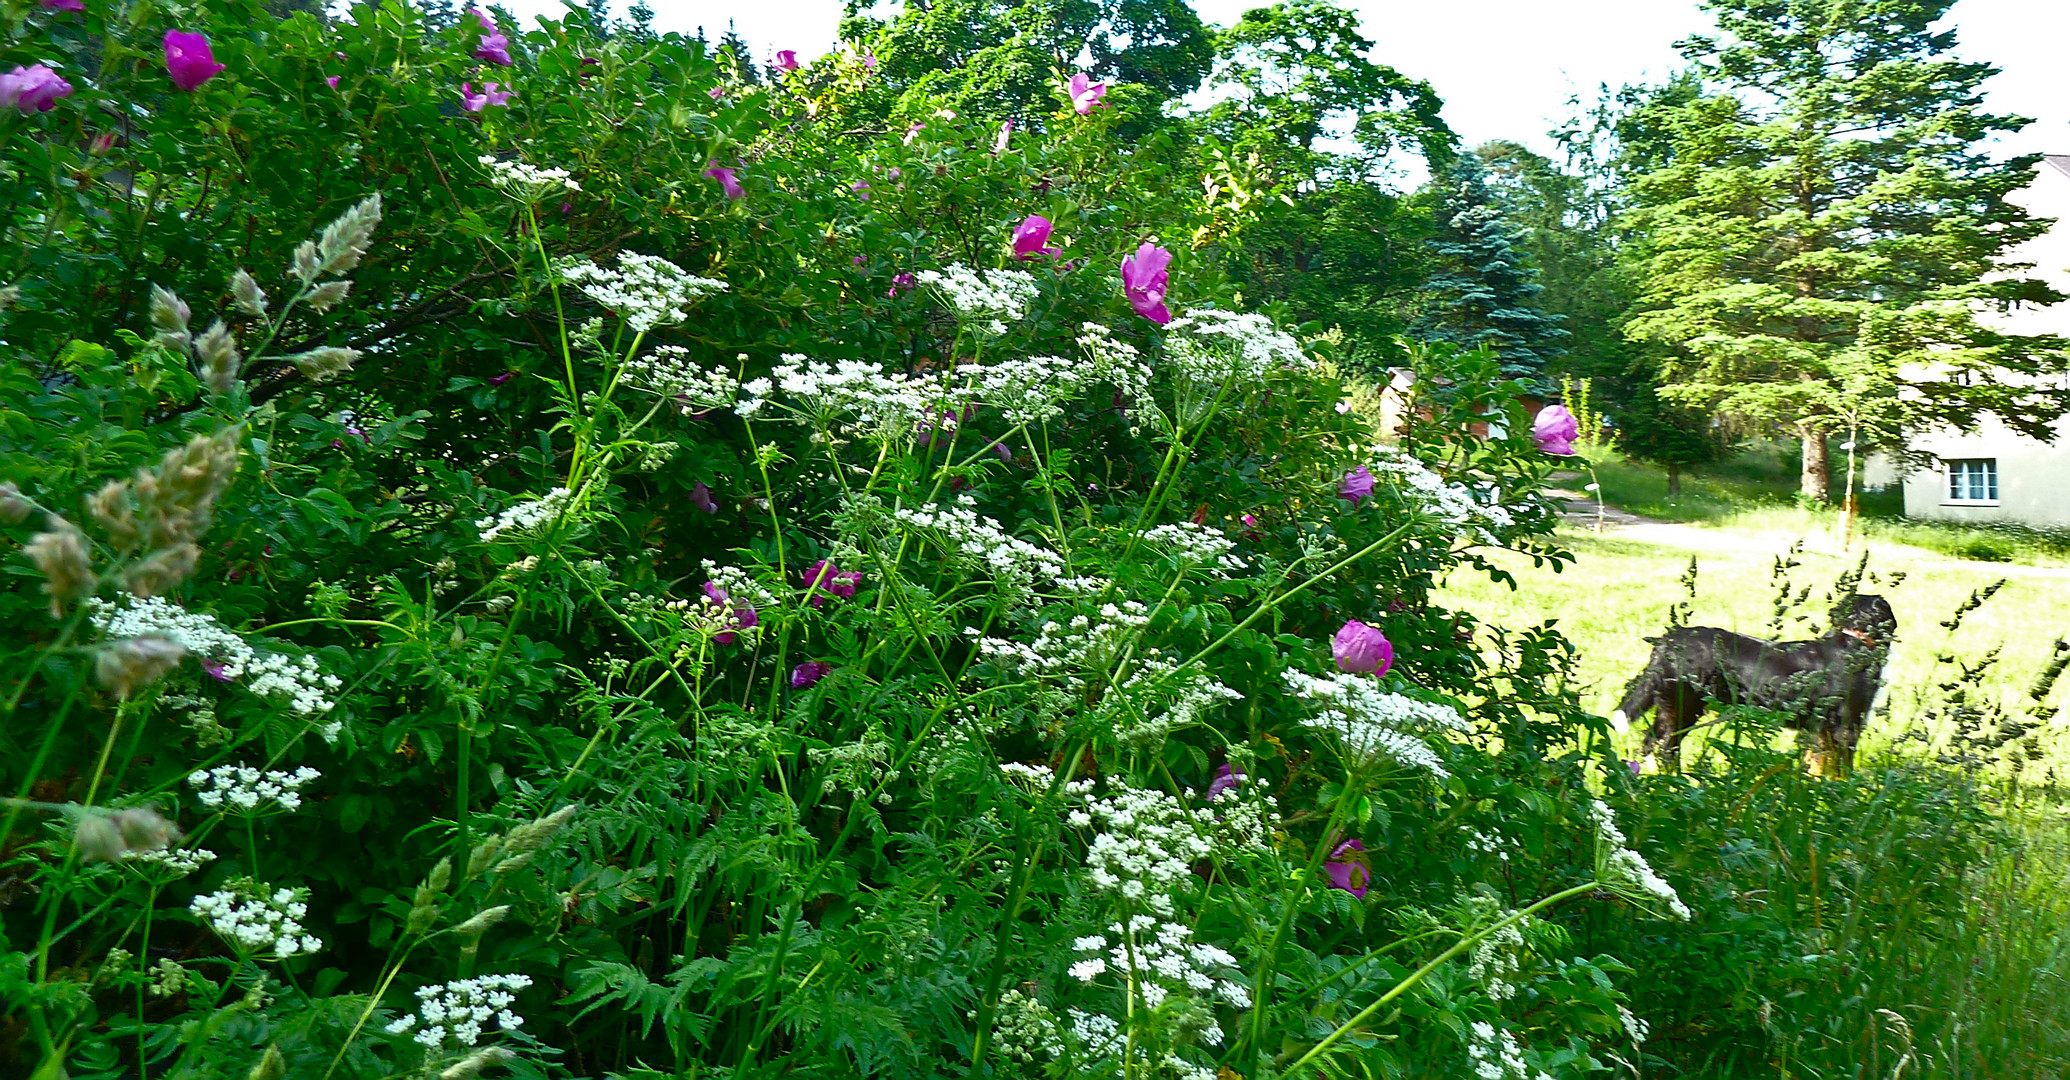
(1450, 502)
(457, 1013)
(241, 789)
(257, 919)
(1066, 651)
(525, 516)
(976, 540)
(1496, 1055)
(1024, 1029)
(1157, 957)
(1029, 389)
(984, 303)
(1497, 959)
(1196, 545)
(1626, 871)
(1148, 841)
(1211, 346)
(298, 680)
(1373, 723)
(1099, 1037)
(178, 862)
(888, 407)
(524, 182)
(1154, 698)
(1116, 360)
(667, 370)
(645, 290)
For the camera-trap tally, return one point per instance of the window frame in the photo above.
(1974, 474)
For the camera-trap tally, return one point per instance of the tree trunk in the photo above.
(1816, 478)
(1674, 481)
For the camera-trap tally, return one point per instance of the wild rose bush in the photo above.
(647, 575)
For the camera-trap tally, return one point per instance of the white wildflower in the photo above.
(296, 679)
(524, 182)
(1626, 871)
(668, 371)
(1210, 346)
(525, 516)
(887, 407)
(1453, 503)
(179, 862)
(1372, 723)
(1633, 1026)
(1196, 545)
(258, 919)
(645, 290)
(1496, 1055)
(984, 303)
(975, 540)
(1158, 958)
(240, 789)
(458, 1013)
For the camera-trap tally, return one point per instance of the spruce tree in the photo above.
(1485, 292)
(1816, 231)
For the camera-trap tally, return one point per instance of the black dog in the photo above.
(1825, 686)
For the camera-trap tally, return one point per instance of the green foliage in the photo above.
(1818, 225)
(1484, 294)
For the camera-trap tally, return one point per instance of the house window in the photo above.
(1973, 480)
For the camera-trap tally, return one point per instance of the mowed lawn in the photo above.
(1623, 582)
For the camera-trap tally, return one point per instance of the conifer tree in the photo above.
(1816, 232)
(1485, 293)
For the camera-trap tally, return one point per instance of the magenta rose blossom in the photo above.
(473, 102)
(1361, 650)
(1144, 277)
(331, 81)
(1227, 778)
(64, 5)
(1555, 430)
(744, 614)
(1356, 485)
(786, 59)
(188, 59)
(809, 672)
(826, 578)
(32, 89)
(1087, 95)
(493, 48)
(701, 498)
(1348, 868)
(728, 181)
(1030, 236)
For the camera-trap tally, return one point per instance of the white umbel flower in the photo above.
(258, 919)
(460, 1012)
(240, 789)
(525, 182)
(984, 303)
(525, 516)
(298, 680)
(1625, 871)
(645, 290)
(1372, 723)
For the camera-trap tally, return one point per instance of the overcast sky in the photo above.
(1507, 68)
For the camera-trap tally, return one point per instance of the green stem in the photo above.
(1423, 972)
(1261, 987)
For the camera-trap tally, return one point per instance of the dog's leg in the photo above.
(1664, 741)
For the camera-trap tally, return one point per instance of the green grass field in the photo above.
(1619, 591)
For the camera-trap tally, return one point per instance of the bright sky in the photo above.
(1507, 68)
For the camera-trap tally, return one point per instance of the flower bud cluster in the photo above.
(178, 862)
(241, 789)
(984, 303)
(458, 1013)
(256, 919)
(1371, 723)
(645, 290)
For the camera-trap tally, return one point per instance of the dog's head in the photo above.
(1866, 616)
